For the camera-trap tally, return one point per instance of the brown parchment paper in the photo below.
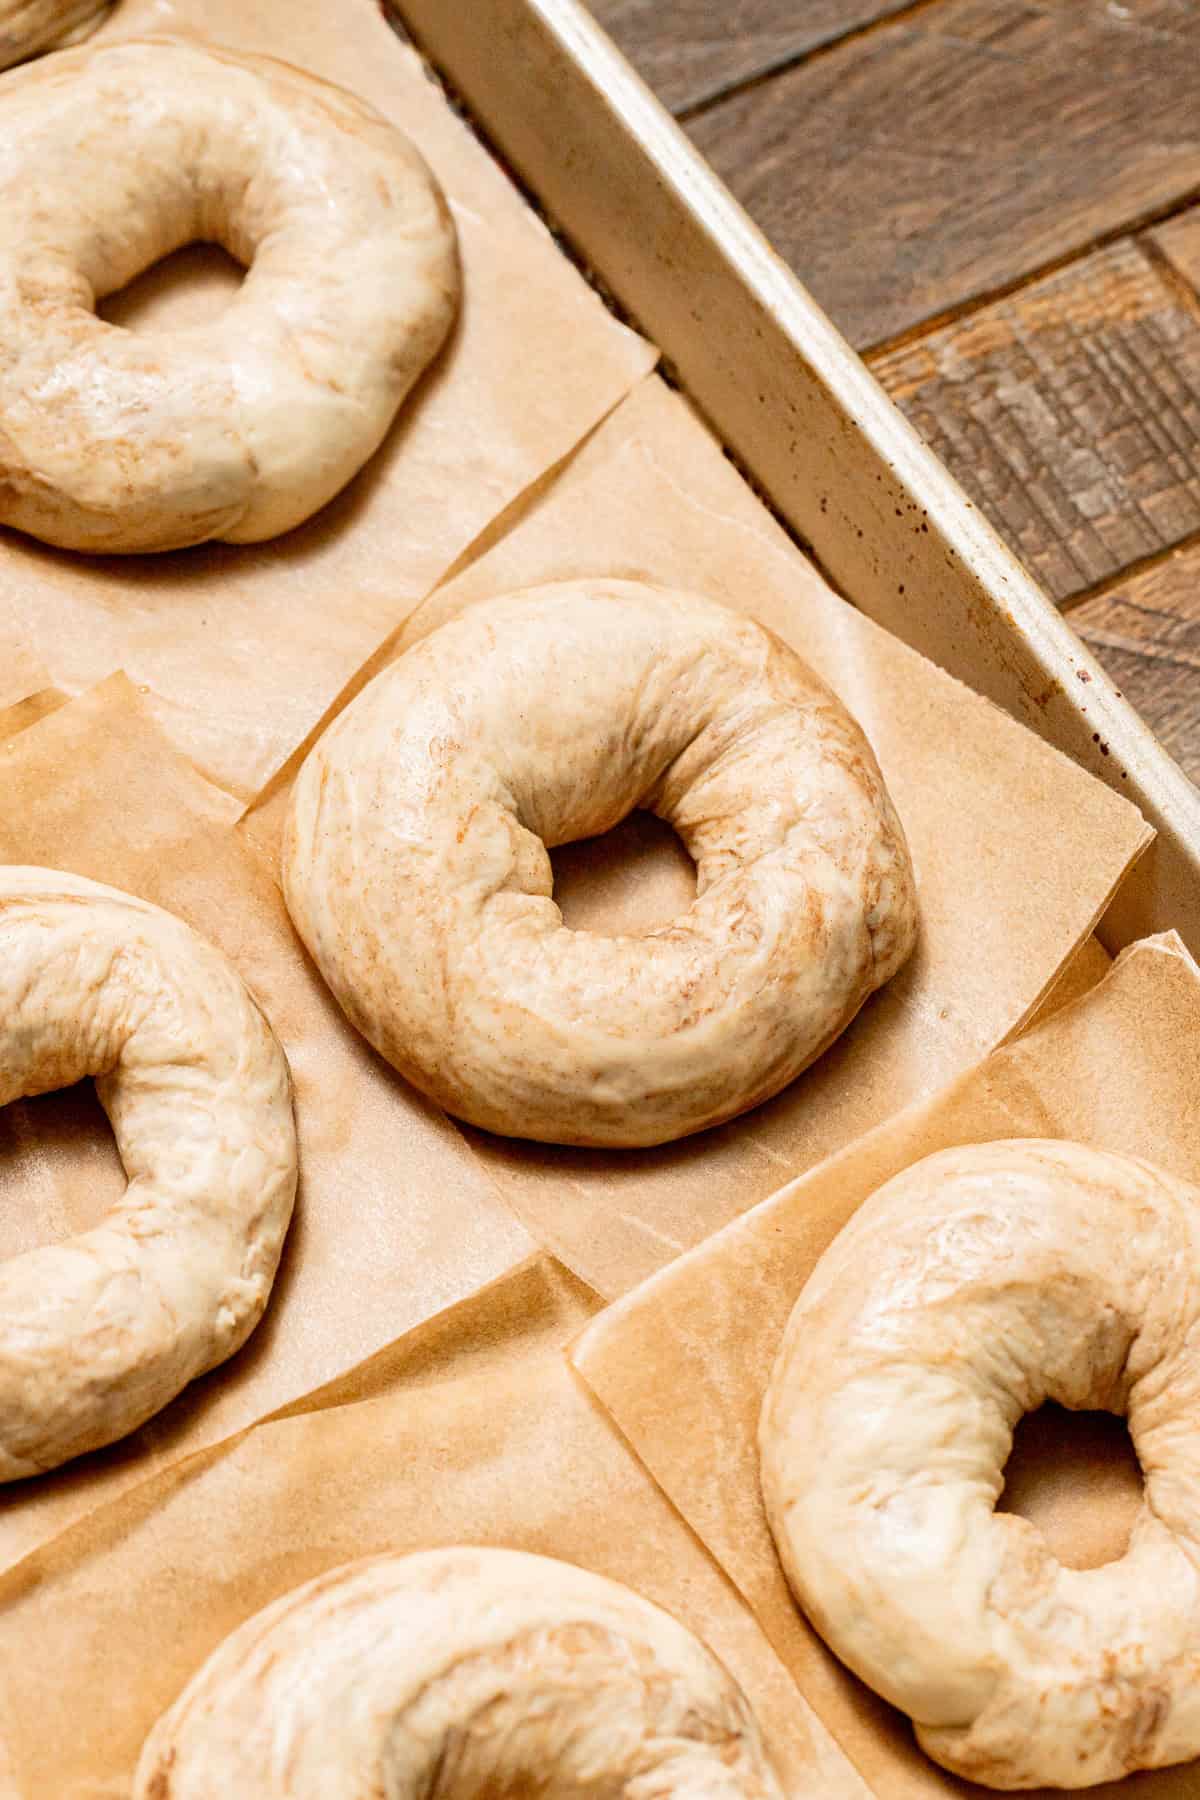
(478, 1433)
(1120, 1069)
(1017, 850)
(22, 673)
(26, 692)
(1090, 964)
(243, 647)
(25, 712)
(395, 1219)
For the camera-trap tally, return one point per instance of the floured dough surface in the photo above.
(971, 1288)
(100, 1332)
(416, 867)
(111, 157)
(467, 1673)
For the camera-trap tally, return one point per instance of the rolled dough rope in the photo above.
(99, 1332)
(965, 1292)
(416, 872)
(460, 1673)
(239, 428)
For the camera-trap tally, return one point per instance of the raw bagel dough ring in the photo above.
(99, 1332)
(966, 1291)
(112, 157)
(30, 27)
(416, 872)
(461, 1672)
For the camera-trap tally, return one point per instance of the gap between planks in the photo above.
(1112, 585)
(1136, 228)
(950, 154)
(901, 15)
(1070, 412)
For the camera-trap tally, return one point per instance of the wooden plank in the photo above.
(949, 154)
(1178, 240)
(1146, 632)
(1070, 413)
(690, 52)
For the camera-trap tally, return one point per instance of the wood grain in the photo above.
(691, 51)
(1146, 632)
(1178, 241)
(948, 154)
(1070, 413)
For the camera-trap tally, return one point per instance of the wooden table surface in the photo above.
(998, 203)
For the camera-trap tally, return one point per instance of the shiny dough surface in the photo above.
(31, 27)
(111, 157)
(964, 1293)
(463, 1673)
(99, 1332)
(416, 871)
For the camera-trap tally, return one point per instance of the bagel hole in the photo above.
(59, 1168)
(189, 287)
(625, 882)
(1076, 1476)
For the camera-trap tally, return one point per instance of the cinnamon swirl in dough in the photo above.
(964, 1293)
(99, 1332)
(30, 27)
(416, 872)
(464, 1672)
